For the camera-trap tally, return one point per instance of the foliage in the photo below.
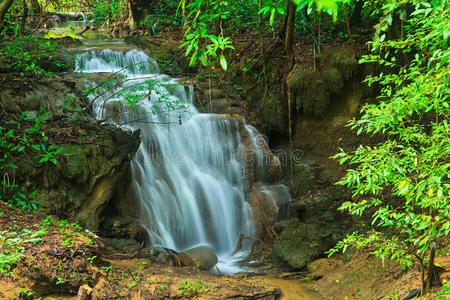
(21, 137)
(134, 90)
(12, 245)
(403, 183)
(192, 288)
(208, 23)
(15, 240)
(204, 33)
(25, 55)
(108, 11)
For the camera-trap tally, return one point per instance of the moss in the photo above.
(75, 162)
(346, 64)
(273, 115)
(335, 80)
(304, 178)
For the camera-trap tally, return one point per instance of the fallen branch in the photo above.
(84, 30)
(239, 243)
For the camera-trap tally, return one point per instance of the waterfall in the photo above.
(188, 174)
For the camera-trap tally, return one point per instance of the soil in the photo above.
(364, 276)
(294, 289)
(65, 260)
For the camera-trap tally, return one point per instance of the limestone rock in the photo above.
(299, 244)
(201, 257)
(93, 159)
(269, 204)
(314, 228)
(84, 292)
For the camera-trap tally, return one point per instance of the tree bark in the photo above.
(137, 9)
(289, 38)
(349, 30)
(84, 30)
(430, 271)
(261, 36)
(4, 7)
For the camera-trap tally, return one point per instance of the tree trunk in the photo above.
(137, 10)
(130, 18)
(430, 271)
(289, 38)
(261, 35)
(422, 275)
(4, 7)
(282, 33)
(349, 30)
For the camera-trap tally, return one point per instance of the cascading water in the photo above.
(188, 173)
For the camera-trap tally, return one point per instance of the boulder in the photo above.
(124, 227)
(201, 257)
(158, 254)
(300, 243)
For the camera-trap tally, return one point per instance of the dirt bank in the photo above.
(45, 256)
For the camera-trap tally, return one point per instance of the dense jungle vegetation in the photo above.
(400, 186)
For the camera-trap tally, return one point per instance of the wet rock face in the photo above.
(269, 204)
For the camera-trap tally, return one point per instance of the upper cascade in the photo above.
(132, 63)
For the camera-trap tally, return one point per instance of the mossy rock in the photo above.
(92, 161)
(300, 243)
(302, 181)
(335, 80)
(345, 63)
(310, 91)
(273, 115)
(75, 162)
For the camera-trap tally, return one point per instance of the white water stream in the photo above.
(188, 173)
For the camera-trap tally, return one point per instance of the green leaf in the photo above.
(272, 16)
(223, 62)
(204, 59)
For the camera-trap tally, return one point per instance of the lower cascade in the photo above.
(189, 174)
